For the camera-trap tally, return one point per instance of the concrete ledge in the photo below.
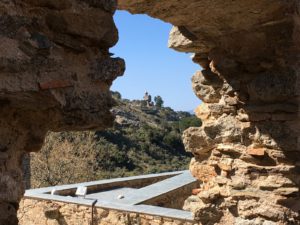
(133, 199)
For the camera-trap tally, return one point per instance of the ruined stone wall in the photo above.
(56, 70)
(247, 151)
(54, 213)
(55, 74)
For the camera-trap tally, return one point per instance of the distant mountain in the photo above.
(143, 140)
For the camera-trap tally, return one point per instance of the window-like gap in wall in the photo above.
(146, 137)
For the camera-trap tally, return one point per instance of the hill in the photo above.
(143, 140)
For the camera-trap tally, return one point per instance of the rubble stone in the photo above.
(250, 88)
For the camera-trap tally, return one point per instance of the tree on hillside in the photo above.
(187, 122)
(158, 101)
(116, 95)
(143, 103)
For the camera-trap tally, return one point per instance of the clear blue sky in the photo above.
(150, 65)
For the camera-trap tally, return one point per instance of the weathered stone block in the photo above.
(52, 4)
(256, 151)
(95, 25)
(202, 172)
(55, 84)
(273, 86)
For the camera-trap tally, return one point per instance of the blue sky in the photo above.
(150, 65)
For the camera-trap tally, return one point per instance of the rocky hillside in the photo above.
(143, 140)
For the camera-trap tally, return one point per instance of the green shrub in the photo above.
(187, 122)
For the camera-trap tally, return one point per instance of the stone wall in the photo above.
(56, 71)
(39, 211)
(54, 213)
(247, 151)
(55, 74)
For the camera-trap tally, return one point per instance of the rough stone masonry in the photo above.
(55, 74)
(56, 71)
(247, 152)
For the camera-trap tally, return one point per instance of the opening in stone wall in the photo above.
(146, 135)
(56, 73)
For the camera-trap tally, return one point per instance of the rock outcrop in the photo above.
(55, 73)
(247, 152)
